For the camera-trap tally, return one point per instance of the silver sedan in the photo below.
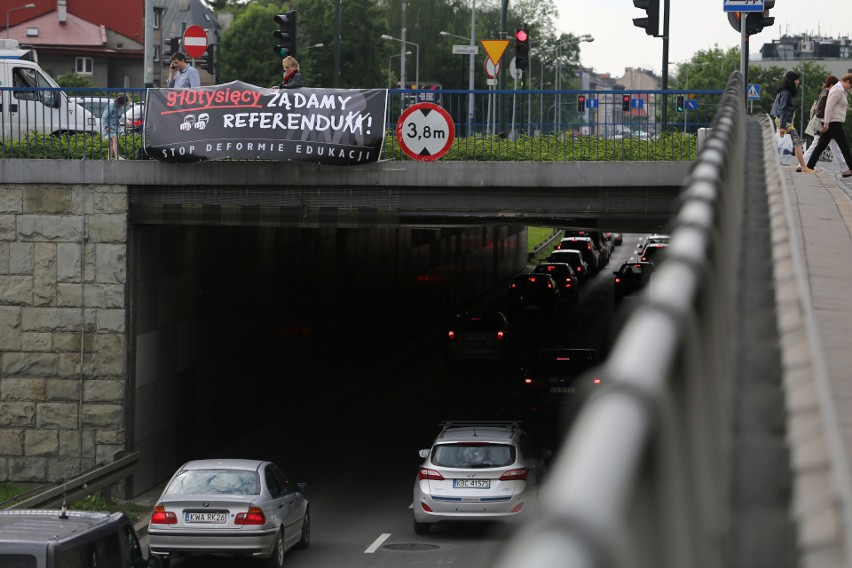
(230, 508)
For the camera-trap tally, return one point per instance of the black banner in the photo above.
(245, 122)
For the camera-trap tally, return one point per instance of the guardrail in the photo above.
(124, 465)
(642, 479)
(489, 125)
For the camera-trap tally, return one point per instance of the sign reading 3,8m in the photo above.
(425, 132)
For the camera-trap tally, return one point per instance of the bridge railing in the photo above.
(489, 125)
(642, 479)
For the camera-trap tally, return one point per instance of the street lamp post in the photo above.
(572, 41)
(389, 65)
(417, 65)
(10, 10)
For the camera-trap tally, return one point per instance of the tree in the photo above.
(247, 46)
(73, 81)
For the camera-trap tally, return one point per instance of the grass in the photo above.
(94, 502)
(535, 237)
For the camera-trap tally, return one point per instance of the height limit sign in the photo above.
(425, 132)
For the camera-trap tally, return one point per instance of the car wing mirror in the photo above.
(423, 454)
(300, 487)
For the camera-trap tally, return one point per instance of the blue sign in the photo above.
(743, 6)
(690, 104)
(591, 103)
(637, 103)
(753, 92)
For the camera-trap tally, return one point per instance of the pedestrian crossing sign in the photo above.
(753, 92)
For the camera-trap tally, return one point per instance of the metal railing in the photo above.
(642, 479)
(103, 476)
(566, 125)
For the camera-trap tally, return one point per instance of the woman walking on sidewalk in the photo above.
(819, 113)
(783, 109)
(835, 116)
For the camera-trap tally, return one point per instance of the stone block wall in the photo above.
(63, 272)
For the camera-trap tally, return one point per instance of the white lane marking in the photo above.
(377, 543)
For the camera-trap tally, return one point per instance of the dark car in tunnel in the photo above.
(533, 294)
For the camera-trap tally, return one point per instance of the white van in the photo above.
(44, 111)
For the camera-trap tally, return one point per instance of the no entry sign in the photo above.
(425, 132)
(195, 41)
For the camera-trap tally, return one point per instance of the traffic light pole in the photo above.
(665, 63)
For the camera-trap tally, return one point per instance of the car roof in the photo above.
(42, 525)
(248, 465)
(475, 431)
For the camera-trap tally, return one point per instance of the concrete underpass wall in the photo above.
(232, 321)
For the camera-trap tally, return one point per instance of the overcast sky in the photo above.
(694, 25)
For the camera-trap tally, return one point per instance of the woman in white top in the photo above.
(835, 116)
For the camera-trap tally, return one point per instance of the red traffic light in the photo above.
(522, 35)
(625, 103)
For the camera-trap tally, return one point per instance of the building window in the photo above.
(156, 53)
(158, 14)
(84, 65)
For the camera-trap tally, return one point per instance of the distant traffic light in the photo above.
(755, 22)
(286, 33)
(581, 103)
(174, 47)
(522, 48)
(625, 103)
(679, 103)
(650, 23)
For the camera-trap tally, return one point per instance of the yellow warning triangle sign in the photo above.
(495, 48)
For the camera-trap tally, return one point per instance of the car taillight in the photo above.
(520, 474)
(596, 380)
(426, 473)
(254, 516)
(137, 122)
(567, 282)
(162, 517)
(500, 335)
(579, 269)
(451, 335)
(617, 280)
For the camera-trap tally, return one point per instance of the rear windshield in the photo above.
(221, 481)
(473, 455)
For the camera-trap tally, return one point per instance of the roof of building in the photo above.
(48, 30)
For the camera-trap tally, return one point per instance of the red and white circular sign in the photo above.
(195, 41)
(425, 131)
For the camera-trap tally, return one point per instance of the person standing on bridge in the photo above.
(181, 74)
(835, 115)
(292, 75)
(110, 125)
(783, 109)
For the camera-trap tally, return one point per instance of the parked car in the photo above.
(40, 538)
(134, 118)
(95, 105)
(230, 507)
(478, 471)
(553, 379)
(533, 294)
(631, 277)
(574, 258)
(565, 278)
(479, 335)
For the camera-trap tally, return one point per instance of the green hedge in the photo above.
(69, 147)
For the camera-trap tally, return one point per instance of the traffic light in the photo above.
(651, 23)
(755, 23)
(208, 60)
(679, 103)
(625, 103)
(522, 48)
(174, 47)
(581, 103)
(286, 33)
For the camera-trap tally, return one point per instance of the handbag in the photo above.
(814, 127)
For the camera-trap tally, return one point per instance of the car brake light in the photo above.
(549, 285)
(617, 279)
(520, 474)
(567, 282)
(451, 335)
(596, 380)
(579, 269)
(254, 516)
(499, 335)
(162, 517)
(588, 246)
(426, 473)
(137, 122)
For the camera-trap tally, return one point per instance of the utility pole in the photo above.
(337, 39)
(149, 43)
(665, 64)
(402, 48)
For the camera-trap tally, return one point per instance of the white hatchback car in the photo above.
(478, 471)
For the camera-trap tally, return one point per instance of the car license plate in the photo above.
(207, 517)
(472, 483)
(562, 390)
